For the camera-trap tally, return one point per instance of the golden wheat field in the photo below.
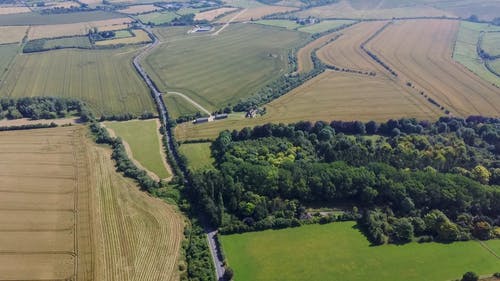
(304, 59)
(420, 51)
(65, 214)
(12, 34)
(70, 29)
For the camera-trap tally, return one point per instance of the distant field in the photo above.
(6, 10)
(81, 28)
(338, 251)
(139, 9)
(157, 17)
(143, 139)
(420, 51)
(68, 42)
(104, 79)
(304, 59)
(187, 11)
(465, 51)
(178, 106)
(198, 155)
(140, 36)
(212, 14)
(345, 52)
(39, 19)
(324, 26)
(217, 70)
(288, 24)
(244, 3)
(7, 54)
(256, 13)
(496, 65)
(491, 43)
(12, 34)
(330, 96)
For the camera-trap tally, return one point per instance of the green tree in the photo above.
(402, 230)
(481, 174)
(470, 276)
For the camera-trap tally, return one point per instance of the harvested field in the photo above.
(329, 96)
(91, 2)
(81, 28)
(26, 121)
(244, 3)
(256, 13)
(14, 10)
(304, 59)
(12, 34)
(105, 79)
(67, 215)
(52, 19)
(212, 14)
(217, 70)
(324, 26)
(345, 52)
(139, 9)
(420, 51)
(140, 36)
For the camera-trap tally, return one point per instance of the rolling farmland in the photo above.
(304, 59)
(178, 106)
(140, 37)
(212, 14)
(12, 34)
(256, 13)
(324, 26)
(217, 70)
(420, 52)
(139, 9)
(7, 54)
(66, 213)
(338, 251)
(51, 19)
(104, 79)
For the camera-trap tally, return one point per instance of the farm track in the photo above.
(424, 58)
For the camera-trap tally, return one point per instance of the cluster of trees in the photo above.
(437, 181)
(37, 108)
(200, 265)
(126, 116)
(28, 127)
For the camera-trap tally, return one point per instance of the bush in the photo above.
(470, 276)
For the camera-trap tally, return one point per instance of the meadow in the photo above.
(212, 14)
(420, 51)
(41, 19)
(157, 17)
(288, 24)
(323, 26)
(256, 13)
(139, 9)
(491, 43)
(198, 155)
(68, 42)
(7, 54)
(338, 251)
(465, 51)
(142, 137)
(139, 37)
(178, 106)
(218, 70)
(105, 79)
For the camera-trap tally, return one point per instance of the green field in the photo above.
(324, 26)
(187, 11)
(68, 42)
(338, 251)
(222, 69)
(465, 49)
(7, 54)
(244, 3)
(39, 19)
(178, 106)
(491, 43)
(198, 155)
(123, 34)
(288, 24)
(105, 79)
(496, 65)
(157, 17)
(142, 137)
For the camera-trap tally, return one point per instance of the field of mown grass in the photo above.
(198, 155)
(338, 251)
(143, 138)
(178, 106)
(465, 49)
(222, 69)
(105, 79)
(420, 51)
(324, 26)
(39, 19)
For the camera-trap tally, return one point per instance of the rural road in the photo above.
(191, 101)
(228, 22)
(162, 110)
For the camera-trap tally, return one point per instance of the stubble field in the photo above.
(12, 34)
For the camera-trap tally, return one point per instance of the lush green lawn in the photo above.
(222, 69)
(105, 79)
(157, 17)
(198, 155)
(288, 24)
(324, 26)
(142, 136)
(340, 252)
(465, 49)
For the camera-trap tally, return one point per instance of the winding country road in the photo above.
(162, 110)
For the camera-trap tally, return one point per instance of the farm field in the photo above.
(198, 155)
(496, 65)
(345, 52)
(465, 51)
(329, 96)
(140, 37)
(491, 43)
(212, 14)
(309, 253)
(142, 137)
(157, 17)
(217, 70)
(178, 106)
(420, 52)
(256, 13)
(304, 59)
(139, 9)
(104, 79)
(244, 3)
(288, 24)
(7, 54)
(81, 28)
(68, 42)
(324, 26)
(66, 213)
(51, 19)
(7, 10)
(12, 34)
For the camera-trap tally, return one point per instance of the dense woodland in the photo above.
(401, 179)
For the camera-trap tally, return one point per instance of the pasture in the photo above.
(157, 18)
(139, 37)
(465, 51)
(71, 29)
(491, 43)
(178, 106)
(105, 79)
(12, 34)
(198, 155)
(217, 70)
(51, 19)
(338, 251)
(139, 9)
(256, 13)
(288, 24)
(212, 14)
(144, 143)
(325, 25)
(7, 54)
(420, 51)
